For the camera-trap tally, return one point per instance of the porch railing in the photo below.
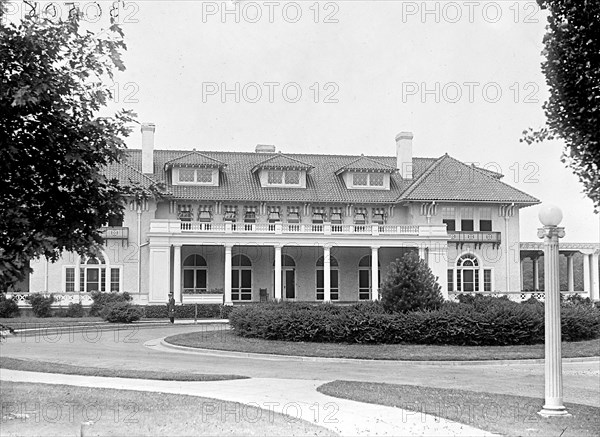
(177, 226)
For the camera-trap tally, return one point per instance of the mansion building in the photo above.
(238, 227)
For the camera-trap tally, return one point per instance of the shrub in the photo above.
(410, 285)
(187, 311)
(121, 312)
(40, 305)
(103, 300)
(484, 321)
(8, 307)
(75, 310)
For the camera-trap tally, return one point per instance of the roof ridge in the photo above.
(420, 179)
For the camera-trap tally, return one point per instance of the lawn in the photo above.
(43, 322)
(58, 410)
(227, 340)
(67, 369)
(502, 414)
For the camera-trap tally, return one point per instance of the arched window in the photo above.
(92, 274)
(241, 278)
(194, 274)
(467, 273)
(364, 277)
(334, 279)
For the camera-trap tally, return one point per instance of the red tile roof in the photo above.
(281, 161)
(239, 183)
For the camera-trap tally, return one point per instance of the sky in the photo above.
(344, 77)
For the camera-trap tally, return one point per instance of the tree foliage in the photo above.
(55, 79)
(410, 285)
(572, 70)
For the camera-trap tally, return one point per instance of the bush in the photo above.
(8, 307)
(75, 310)
(121, 312)
(103, 300)
(482, 322)
(410, 286)
(40, 305)
(187, 311)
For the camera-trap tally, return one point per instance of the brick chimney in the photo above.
(404, 154)
(148, 147)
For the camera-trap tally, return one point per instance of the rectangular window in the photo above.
(334, 287)
(485, 225)
(466, 225)
(360, 179)
(115, 275)
(450, 224)
(466, 212)
(378, 218)
(485, 213)
(359, 219)
(487, 280)
(229, 216)
(448, 212)
(204, 175)
(458, 280)
(450, 280)
(274, 217)
(250, 217)
(69, 279)
(364, 287)
(336, 218)
(292, 177)
(187, 175)
(376, 179)
(204, 216)
(293, 217)
(275, 177)
(317, 218)
(115, 221)
(184, 212)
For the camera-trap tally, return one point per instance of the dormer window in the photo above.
(283, 177)
(364, 180)
(360, 179)
(376, 179)
(196, 175)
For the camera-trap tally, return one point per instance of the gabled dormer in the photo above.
(366, 174)
(195, 169)
(282, 171)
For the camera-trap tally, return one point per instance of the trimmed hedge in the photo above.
(484, 321)
(121, 312)
(187, 311)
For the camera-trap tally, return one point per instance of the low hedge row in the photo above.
(187, 311)
(501, 322)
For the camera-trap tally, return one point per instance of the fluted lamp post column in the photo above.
(551, 216)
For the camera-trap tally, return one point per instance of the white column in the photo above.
(570, 280)
(278, 273)
(595, 282)
(78, 275)
(522, 274)
(177, 294)
(107, 274)
(227, 280)
(536, 274)
(374, 272)
(586, 273)
(553, 405)
(327, 273)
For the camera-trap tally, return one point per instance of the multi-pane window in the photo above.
(376, 179)
(187, 175)
(274, 216)
(450, 280)
(275, 177)
(360, 179)
(360, 218)
(487, 280)
(69, 279)
(292, 177)
(194, 274)
(115, 279)
(204, 216)
(250, 217)
(185, 212)
(364, 277)
(241, 278)
(293, 217)
(196, 175)
(378, 218)
(467, 273)
(336, 218)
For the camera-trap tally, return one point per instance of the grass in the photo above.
(58, 410)
(43, 322)
(502, 414)
(67, 369)
(227, 340)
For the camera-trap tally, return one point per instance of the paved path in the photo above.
(285, 381)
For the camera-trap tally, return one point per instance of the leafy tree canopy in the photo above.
(55, 78)
(572, 70)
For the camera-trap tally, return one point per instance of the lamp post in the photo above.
(551, 216)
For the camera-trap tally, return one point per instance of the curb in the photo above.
(106, 326)
(276, 357)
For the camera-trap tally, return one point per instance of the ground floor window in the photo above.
(241, 278)
(194, 274)
(364, 277)
(333, 279)
(94, 275)
(468, 276)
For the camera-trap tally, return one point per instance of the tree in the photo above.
(572, 70)
(410, 285)
(55, 79)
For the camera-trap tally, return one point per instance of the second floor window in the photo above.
(115, 221)
(196, 175)
(466, 225)
(450, 224)
(485, 225)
